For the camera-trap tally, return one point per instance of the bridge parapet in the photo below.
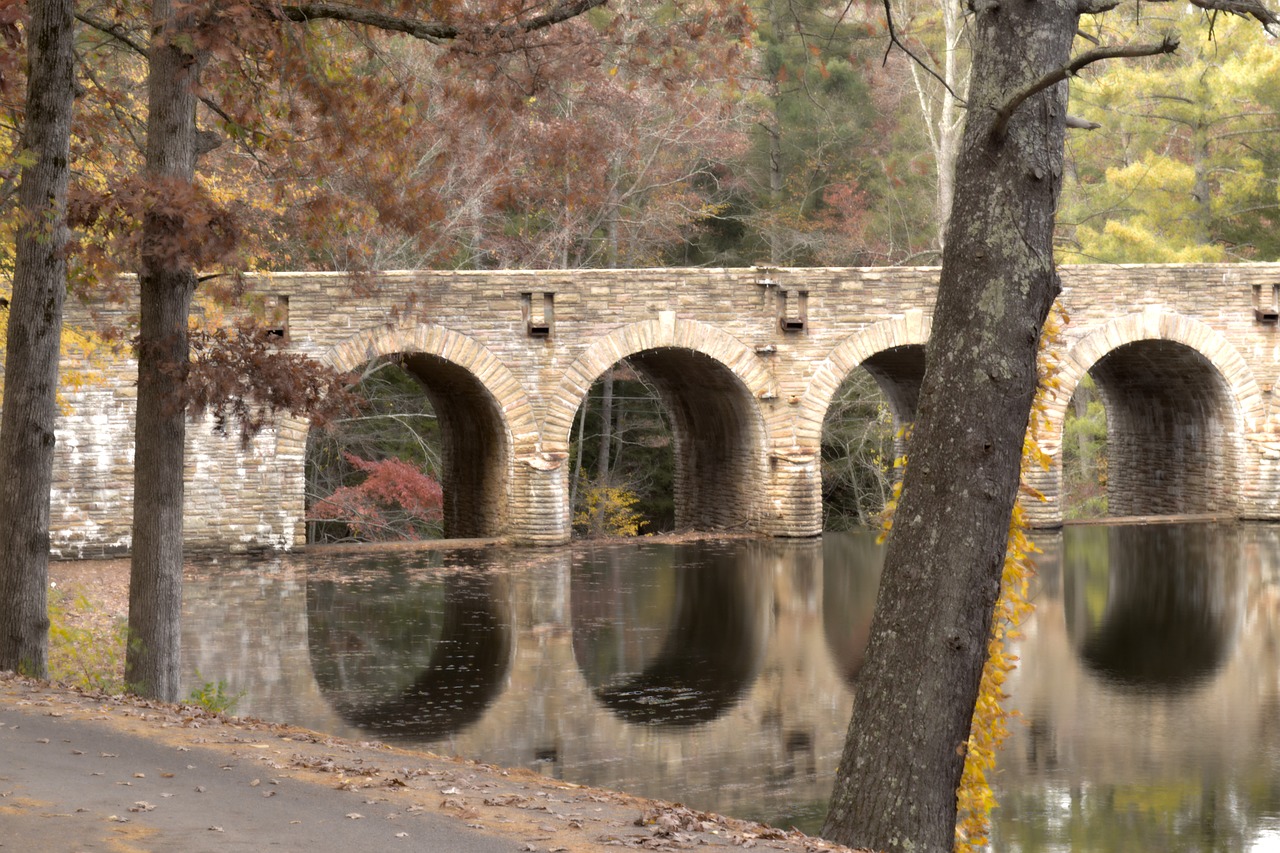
(747, 361)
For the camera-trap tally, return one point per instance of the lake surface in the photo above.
(719, 674)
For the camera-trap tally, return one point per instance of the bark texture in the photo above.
(904, 755)
(167, 281)
(34, 342)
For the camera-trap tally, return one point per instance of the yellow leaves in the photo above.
(990, 727)
(82, 353)
(612, 509)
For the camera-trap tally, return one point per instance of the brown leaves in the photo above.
(242, 374)
(13, 19)
(190, 227)
(12, 13)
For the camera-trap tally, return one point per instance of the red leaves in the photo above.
(195, 230)
(396, 500)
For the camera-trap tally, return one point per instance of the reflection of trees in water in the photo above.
(1177, 754)
(673, 642)
(850, 578)
(1172, 604)
(412, 658)
(1183, 816)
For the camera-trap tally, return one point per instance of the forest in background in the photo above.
(768, 133)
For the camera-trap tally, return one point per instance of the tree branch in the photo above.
(1168, 45)
(1246, 9)
(1095, 7)
(436, 32)
(893, 39)
(116, 31)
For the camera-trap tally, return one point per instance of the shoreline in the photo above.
(94, 599)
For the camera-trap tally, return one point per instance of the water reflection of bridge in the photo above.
(616, 666)
(684, 668)
(1151, 694)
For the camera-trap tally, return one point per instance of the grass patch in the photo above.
(213, 696)
(85, 652)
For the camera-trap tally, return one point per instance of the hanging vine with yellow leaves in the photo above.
(990, 726)
(975, 799)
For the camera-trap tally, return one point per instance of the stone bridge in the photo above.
(746, 362)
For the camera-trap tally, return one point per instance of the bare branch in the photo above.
(893, 39)
(436, 32)
(1095, 7)
(116, 31)
(1168, 45)
(1246, 9)
(1082, 123)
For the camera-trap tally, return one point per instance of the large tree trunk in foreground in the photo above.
(903, 759)
(34, 342)
(167, 281)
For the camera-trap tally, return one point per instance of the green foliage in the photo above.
(1185, 167)
(1084, 454)
(833, 174)
(84, 657)
(213, 696)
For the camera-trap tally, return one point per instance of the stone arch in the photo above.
(909, 330)
(710, 384)
(1231, 407)
(485, 416)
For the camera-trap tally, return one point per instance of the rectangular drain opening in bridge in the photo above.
(1266, 310)
(794, 312)
(537, 325)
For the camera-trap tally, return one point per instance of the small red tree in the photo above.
(396, 501)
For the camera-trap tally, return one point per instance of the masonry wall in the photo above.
(752, 356)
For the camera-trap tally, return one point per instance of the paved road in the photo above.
(97, 773)
(69, 784)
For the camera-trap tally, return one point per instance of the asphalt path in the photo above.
(89, 772)
(69, 784)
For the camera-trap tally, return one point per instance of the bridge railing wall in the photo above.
(536, 341)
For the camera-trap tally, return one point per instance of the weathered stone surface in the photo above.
(1185, 369)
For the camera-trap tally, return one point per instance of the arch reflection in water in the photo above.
(408, 651)
(849, 585)
(1154, 606)
(674, 642)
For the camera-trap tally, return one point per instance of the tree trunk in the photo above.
(577, 456)
(606, 446)
(34, 341)
(905, 751)
(167, 282)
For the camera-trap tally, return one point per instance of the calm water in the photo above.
(719, 674)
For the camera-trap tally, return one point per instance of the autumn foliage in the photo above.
(990, 726)
(395, 501)
(243, 375)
